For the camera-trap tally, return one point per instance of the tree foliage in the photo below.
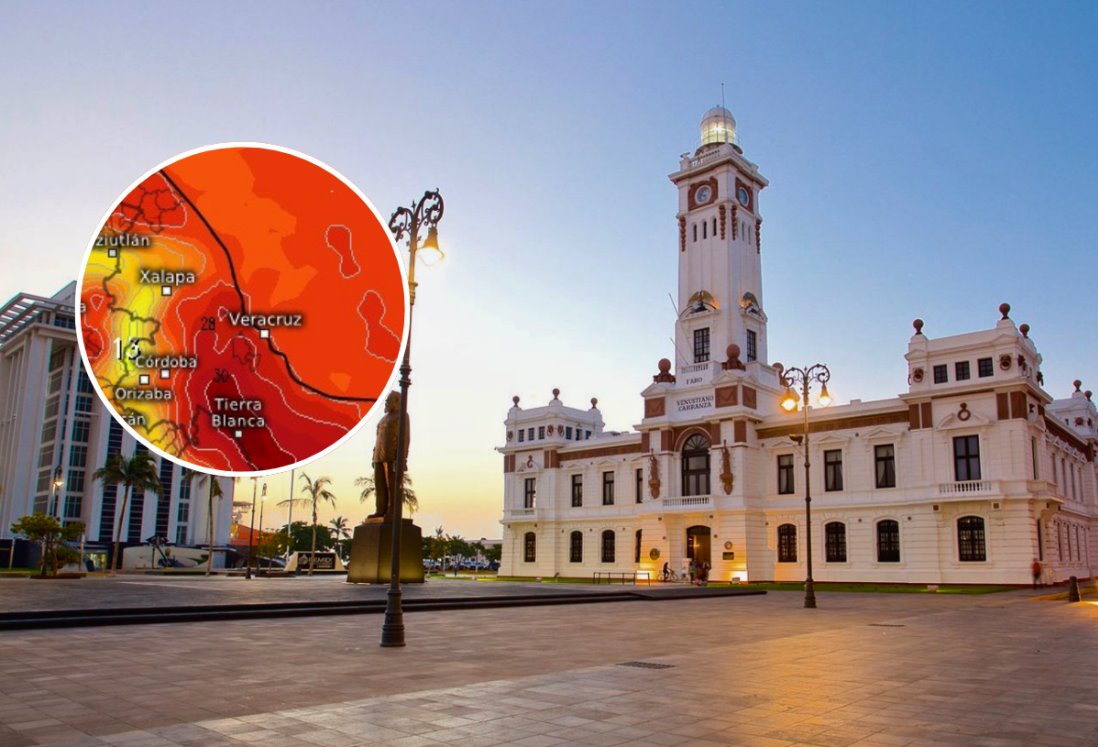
(411, 502)
(441, 545)
(317, 491)
(138, 472)
(301, 536)
(272, 544)
(49, 533)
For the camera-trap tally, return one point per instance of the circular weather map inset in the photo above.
(242, 309)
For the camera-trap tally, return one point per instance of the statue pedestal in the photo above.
(371, 553)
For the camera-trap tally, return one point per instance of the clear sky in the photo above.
(926, 159)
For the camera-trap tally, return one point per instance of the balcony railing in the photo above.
(693, 368)
(712, 155)
(523, 511)
(688, 501)
(965, 487)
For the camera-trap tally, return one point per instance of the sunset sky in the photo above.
(925, 160)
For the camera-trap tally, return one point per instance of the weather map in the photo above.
(242, 309)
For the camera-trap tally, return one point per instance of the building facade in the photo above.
(966, 477)
(55, 433)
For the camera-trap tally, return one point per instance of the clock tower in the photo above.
(720, 277)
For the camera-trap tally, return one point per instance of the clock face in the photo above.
(703, 194)
(743, 196)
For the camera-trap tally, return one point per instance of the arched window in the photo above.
(835, 541)
(970, 539)
(695, 465)
(575, 547)
(787, 543)
(531, 545)
(637, 548)
(888, 541)
(608, 546)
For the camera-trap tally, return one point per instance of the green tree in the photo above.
(367, 484)
(301, 533)
(458, 547)
(138, 472)
(493, 553)
(272, 544)
(49, 533)
(434, 546)
(317, 491)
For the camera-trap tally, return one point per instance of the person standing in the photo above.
(1036, 568)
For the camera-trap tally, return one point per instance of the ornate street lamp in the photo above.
(803, 378)
(406, 222)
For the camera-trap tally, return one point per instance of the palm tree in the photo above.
(214, 492)
(139, 471)
(317, 490)
(440, 548)
(368, 487)
(339, 527)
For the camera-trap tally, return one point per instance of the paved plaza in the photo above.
(154, 590)
(863, 669)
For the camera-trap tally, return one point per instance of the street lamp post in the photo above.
(803, 378)
(251, 530)
(406, 222)
(55, 490)
(262, 503)
(290, 520)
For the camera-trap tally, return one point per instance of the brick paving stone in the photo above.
(753, 671)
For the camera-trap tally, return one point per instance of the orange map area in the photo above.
(242, 309)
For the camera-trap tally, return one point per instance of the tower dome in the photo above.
(718, 126)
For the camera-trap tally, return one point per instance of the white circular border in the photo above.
(403, 333)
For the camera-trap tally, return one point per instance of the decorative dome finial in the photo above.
(918, 325)
(556, 393)
(664, 376)
(515, 399)
(1024, 329)
(1078, 385)
(594, 402)
(1004, 309)
(718, 126)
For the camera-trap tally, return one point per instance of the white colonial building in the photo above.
(55, 432)
(966, 477)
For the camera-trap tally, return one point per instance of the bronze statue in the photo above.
(385, 454)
